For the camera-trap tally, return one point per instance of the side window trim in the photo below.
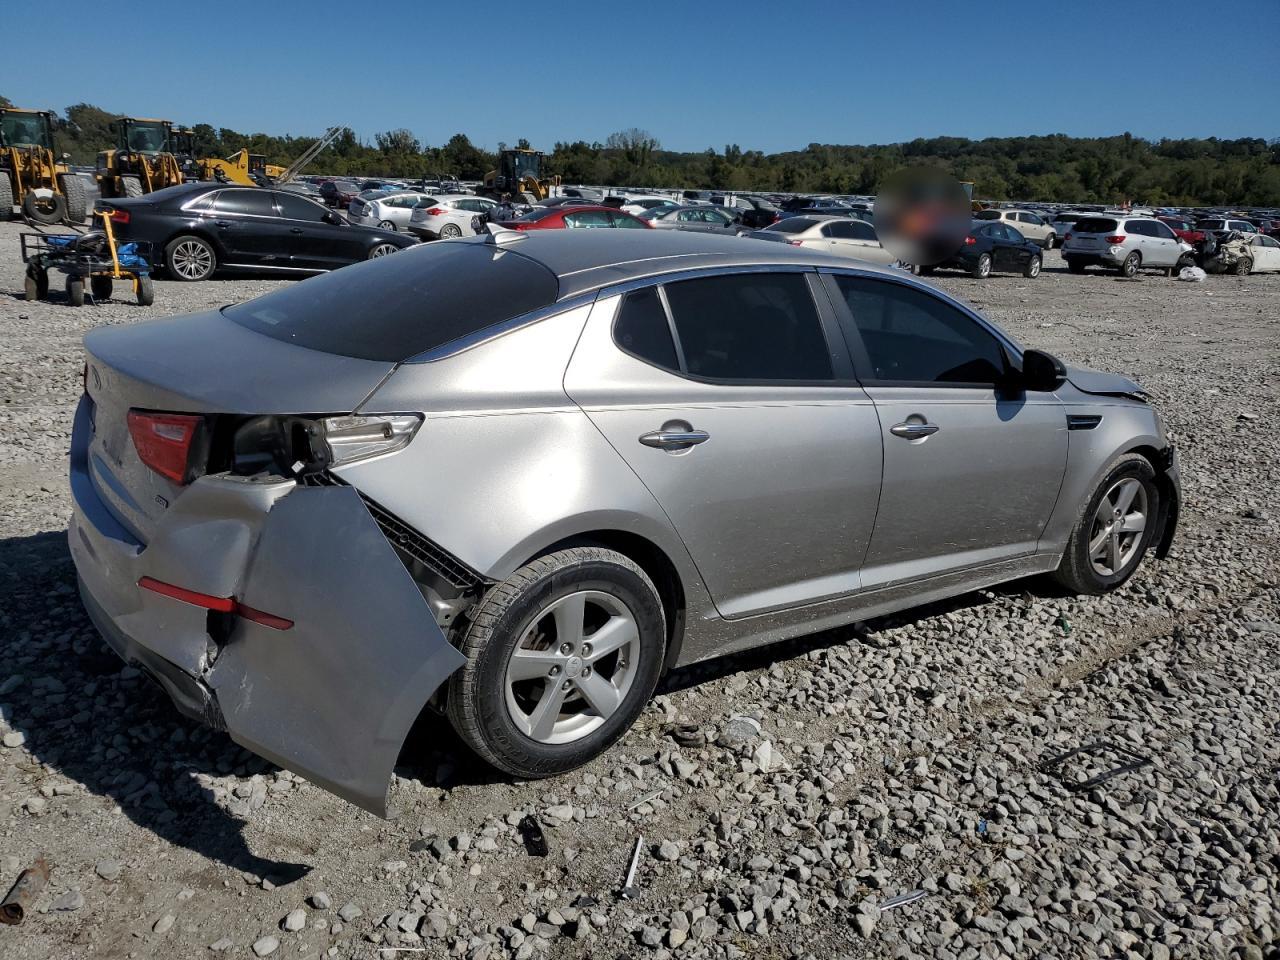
(675, 334)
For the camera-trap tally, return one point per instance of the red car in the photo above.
(567, 217)
(1185, 229)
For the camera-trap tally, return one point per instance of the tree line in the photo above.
(1210, 171)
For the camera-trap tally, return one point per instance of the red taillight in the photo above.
(1116, 238)
(1066, 238)
(796, 243)
(437, 212)
(119, 216)
(969, 241)
(218, 604)
(163, 442)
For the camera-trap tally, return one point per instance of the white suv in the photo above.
(1125, 243)
(1030, 225)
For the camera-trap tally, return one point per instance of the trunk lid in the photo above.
(199, 364)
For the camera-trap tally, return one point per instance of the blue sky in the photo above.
(766, 75)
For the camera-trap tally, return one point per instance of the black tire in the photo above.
(927, 271)
(75, 291)
(1076, 572)
(1049, 241)
(131, 186)
(1242, 267)
(477, 705)
(31, 285)
(1131, 264)
(146, 291)
(451, 231)
(6, 197)
(1075, 265)
(100, 287)
(1186, 260)
(190, 258)
(72, 186)
(1032, 269)
(982, 269)
(50, 209)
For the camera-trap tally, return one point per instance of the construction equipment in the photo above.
(243, 167)
(31, 175)
(94, 256)
(143, 160)
(308, 155)
(518, 178)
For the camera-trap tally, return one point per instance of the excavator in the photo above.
(31, 175)
(143, 160)
(518, 178)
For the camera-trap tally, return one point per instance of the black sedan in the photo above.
(992, 247)
(198, 228)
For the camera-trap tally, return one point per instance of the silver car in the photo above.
(1125, 243)
(698, 219)
(518, 478)
(447, 217)
(387, 211)
(838, 235)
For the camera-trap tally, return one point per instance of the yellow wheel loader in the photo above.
(31, 175)
(519, 178)
(142, 161)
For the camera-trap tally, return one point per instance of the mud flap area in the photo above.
(331, 698)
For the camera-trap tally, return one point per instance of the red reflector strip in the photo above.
(220, 604)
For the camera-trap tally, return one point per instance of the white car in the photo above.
(447, 217)
(388, 211)
(639, 204)
(842, 236)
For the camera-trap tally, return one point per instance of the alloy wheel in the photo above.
(1118, 527)
(192, 260)
(573, 667)
(382, 249)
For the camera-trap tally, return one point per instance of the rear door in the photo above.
(971, 473)
(745, 425)
(250, 231)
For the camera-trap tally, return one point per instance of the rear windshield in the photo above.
(395, 307)
(792, 225)
(1212, 224)
(987, 215)
(542, 214)
(1096, 225)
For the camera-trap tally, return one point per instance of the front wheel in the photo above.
(1114, 530)
(146, 291)
(1050, 240)
(36, 285)
(1032, 269)
(75, 291)
(387, 225)
(1129, 267)
(562, 657)
(982, 269)
(1242, 267)
(382, 249)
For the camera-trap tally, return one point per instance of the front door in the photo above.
(971, 474)
(744, 426)
(248, 228)
(314, 243)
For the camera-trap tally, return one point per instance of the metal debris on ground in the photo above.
(1131, 761)
(688, 735)
(902, 899)
(14, 907)
(629, 891)
(535, 841)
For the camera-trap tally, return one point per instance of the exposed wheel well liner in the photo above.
(1167, 522)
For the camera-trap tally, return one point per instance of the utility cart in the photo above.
(93, 257)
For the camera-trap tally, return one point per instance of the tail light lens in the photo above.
(969, 241)
(164, 442)
(437, 212)
(119, 216)
(1067, 238)
(796, 243)
(357, 438)
(1116, 238)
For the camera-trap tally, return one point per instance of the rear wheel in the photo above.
(131, 186)
(1032, 269)
(46, 209)
(35, 285)
(1242, 267)
(450, 231)
(387, 225)
(72, 187)
(6, 196)
(146, 291)
(190, 258)
(1114, 529)
(1075, 265)
(561, 658)
(982, 269)
(100, 287)
(75, 291)
(1050, 240)
(1129, 267)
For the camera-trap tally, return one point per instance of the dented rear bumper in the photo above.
(332, 697)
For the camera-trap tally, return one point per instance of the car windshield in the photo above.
(987, 215)
(1095, 225)
(792, 225)
(393, 308)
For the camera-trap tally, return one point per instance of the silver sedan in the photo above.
(312, 516)
(837, 235)
(702, 218)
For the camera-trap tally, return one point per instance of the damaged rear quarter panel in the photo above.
(333, 697)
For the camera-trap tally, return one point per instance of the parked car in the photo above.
(1029, 225)
(1061, 224)
(1183, 229)
(1224, 225)
(559, 218)
(388, 211)
(700, 219)
(993, 246)
(311, 515)
(1125, 243)
(841, 236)
(753, 212)
(448, 217)
(638, 205)
(568, 202)
(301, 187)
(201, 228)
(1253, 253)
(339, 193)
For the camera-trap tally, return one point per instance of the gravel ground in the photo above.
(907, 754)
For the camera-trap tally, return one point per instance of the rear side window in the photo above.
(911, 336)
(1141, 227)
(750, 326)
(393, 308)
(643, 331)
(249, 202)
(296, 208)
(1095, 225)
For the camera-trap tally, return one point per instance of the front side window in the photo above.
(587, 218)
(750, 326)
(987, 215)
(913, 337)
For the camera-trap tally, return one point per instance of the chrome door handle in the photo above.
(913, 430)
(674, 439)
(295, 229)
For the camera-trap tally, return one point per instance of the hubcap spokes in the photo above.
(191, 259)
(1118, 527)
(573, 667)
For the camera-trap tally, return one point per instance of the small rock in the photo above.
(69, 901)
(15, 738)
(164, 923)
(737, 731)
(36, 805)
(562, 812)
(108, 869)
(266, 946)
(350, 912)
(320, 900)
(866, 922)
(668, 851)
(223, 945)
(295, 921)
(762, 756)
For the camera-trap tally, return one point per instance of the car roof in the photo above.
(586, 260)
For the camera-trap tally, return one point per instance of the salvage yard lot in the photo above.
(905, 754)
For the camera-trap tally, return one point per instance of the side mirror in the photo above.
(334, 218)
(1042, 372)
